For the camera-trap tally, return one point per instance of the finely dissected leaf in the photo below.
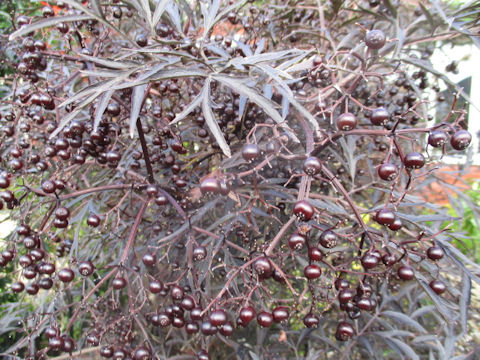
(265, 104)
(162, 75)
(209, 15)
(210, 120)
(425, 66)
(219, 51)
(174, 15)
(68, 118)
(188, 109)
(465, 300)
(423, 310)
(101, 108)
(138, 95)
(112, 64)
(428, 15)
(235, 5)
(407, 320)
(399, 345)
(98, 88)
(285, 106)
(100, 73)
(97, 8)
(46, 23)
(148, 13)
(159, 9)
(246, 49)
(391, 8)
(87, 11)
(400, 333)
(440, 303)
(266, 57)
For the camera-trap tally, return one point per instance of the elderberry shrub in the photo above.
(182, 175)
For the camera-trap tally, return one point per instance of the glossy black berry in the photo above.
(296, 241)
(375, 39)
(328, 239)
(315, 254)
(263, 267)
(247, 314)
(280, 314)
(437, 138)
(387, 171)
(141, 40)
(344, 331)
(48, 187)
(396, 225)
(346, 122)
(303, 210)
(405, 272)
(265, 319)
(311, 321)
(93, 220)
(312, 271)
(218, 317)
(86, 268)
(62, 213)
(312, 166)
(369, 261)
(437, 286)
(435, 253)
(385, 216)
(250, 152)
(119, 283)
(379, 116)
(414, 160)
(199, 253)
(149, 259)
(461, 140)
(18, 287)
(66, 275)
(210, 185)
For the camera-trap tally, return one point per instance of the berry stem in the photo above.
(344, 192)
(148, 163)
(133, 232)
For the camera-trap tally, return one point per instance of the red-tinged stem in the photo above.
(228, 282)
(90, 293)
(344, 192)
(279, 235)
(143, 142)
(133, 232)
(95, 189)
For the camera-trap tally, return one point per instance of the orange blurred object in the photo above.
(55, 8)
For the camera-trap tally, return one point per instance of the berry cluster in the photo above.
(172, 182)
